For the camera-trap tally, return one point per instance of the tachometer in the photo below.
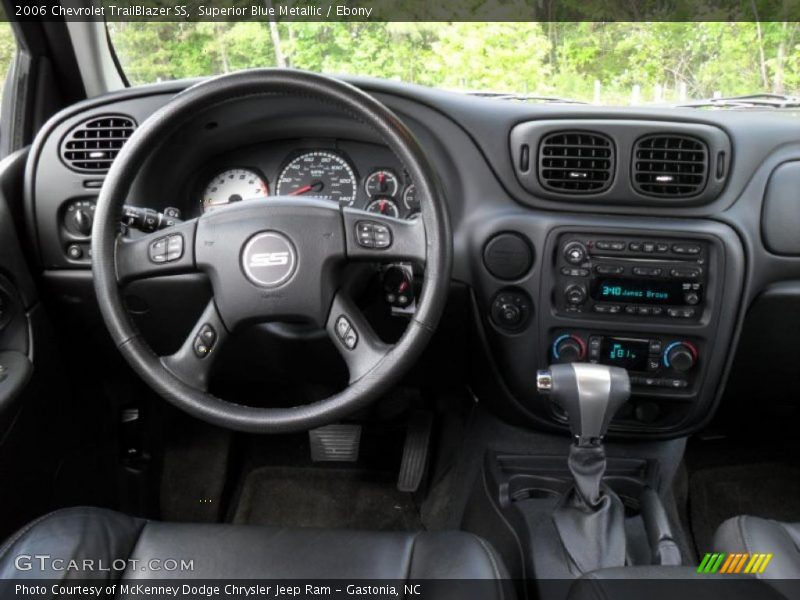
(318, 174)
(233, 185)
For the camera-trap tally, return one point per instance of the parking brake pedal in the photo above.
(338, 443)
(415, 452)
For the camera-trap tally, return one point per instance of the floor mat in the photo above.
(326, 498)
(769, 490)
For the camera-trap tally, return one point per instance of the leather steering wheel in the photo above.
(275, 260)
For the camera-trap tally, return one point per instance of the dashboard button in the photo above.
(691, 249)
(609, 269)
(662, 248)
(635, 246)
(575, 253)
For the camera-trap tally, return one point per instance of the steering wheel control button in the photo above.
(373, 235)
(174, 247)
(507, 256)
(204, 341)
(269, 259)
(346, 333)
(158, 250)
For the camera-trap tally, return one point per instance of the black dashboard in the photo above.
(632, 237)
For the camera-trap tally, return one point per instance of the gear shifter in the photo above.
(590, 516)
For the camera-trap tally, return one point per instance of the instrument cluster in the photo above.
(354, 174)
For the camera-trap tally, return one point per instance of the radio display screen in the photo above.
(627, 353)
(638, 291)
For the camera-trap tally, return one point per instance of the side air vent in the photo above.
(674, 166)
(94, 144)
(577, 162)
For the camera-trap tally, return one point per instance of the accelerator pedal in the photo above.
(335, 443)
(415, 452)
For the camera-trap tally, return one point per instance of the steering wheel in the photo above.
(277, 260)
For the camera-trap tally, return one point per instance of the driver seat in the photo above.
(219, 551)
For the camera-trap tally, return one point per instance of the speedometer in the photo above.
(233, 185)
(318, 174)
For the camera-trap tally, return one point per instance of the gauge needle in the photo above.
(316, 186)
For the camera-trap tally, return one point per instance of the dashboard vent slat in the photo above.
(670, 165)
(92, 146)
(576, 162)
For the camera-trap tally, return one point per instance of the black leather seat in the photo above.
(754, 534)
(242, 552)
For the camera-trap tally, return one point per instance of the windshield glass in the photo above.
(600, 63)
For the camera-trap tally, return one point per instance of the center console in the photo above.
(659, 298)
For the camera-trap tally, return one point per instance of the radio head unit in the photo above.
(631, 276)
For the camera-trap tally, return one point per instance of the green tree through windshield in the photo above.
(610, 63)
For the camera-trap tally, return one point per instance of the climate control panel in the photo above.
(653, 361)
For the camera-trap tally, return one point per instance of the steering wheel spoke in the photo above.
(375, 237)
(192, 363)
(165, 252)
(354, 337)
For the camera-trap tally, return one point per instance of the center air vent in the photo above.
(579, 162)
(670, 165)
(94, 144)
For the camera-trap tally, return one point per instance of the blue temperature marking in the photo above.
(666, 353)
(554, 350)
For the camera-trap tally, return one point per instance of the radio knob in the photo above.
(575, 294)
(680, 356)
(569, 348)
(575, 253)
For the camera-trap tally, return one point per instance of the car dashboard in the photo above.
(631, 237)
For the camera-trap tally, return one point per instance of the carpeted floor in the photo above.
(768, 489)
(326, 498)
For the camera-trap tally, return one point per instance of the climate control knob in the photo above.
(575, 253)
(680, 356)
(568, 348)
(575, 294)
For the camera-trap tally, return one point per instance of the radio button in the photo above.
(609, 269)
(614, 308)
(655, 346)
(600, 308)
(575, 253)
(631, 309)
(635, 246)
(662, 248)
(685, 273)
(645, 310)
(618, 246)
(575, 294)
(691, 249)
(649, 247)
(657, 311)
(691, 298)
(574, 272)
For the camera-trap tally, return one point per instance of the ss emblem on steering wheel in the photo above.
(269, 259)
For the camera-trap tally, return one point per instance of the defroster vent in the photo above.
(576, 162)
(93, 145)
(670, 165)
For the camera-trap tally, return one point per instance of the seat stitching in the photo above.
(492, 561)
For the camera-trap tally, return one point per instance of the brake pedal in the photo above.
(415, 452)
(335, 443)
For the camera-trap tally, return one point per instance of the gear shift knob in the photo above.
(590, 395)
